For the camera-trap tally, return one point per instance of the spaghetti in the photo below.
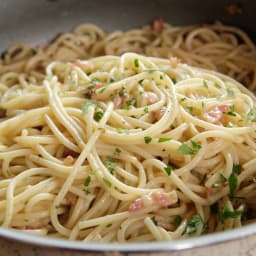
(214, 46)
(126, 149)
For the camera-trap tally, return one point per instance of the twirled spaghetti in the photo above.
(216, 46)
(127, 149)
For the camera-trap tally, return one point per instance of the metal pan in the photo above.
(36, 22)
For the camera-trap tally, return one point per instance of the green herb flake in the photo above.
(172, 127)
(193, 224)
(205, 84)
(87, 95)
(217, 85)
(182, 99)
(160, 140)
(103, 89)
(161, 77)
(168, 169)
(145, 110)
(185, 149)
(154, 220)
(129, 103)
(112, 79)
(136, 63)
(87, 181)
(231, 111)
(233, 180)
(117, 151)
(250, 115)
(230, 92)
(86, 107)
(109, 225)
(189, 109)
(87, 192)
(33, 51)
(107, 182)
(98, 115)
(147, 139)
(174, 80)
(226, 213)
(177, 221)
(223, 178)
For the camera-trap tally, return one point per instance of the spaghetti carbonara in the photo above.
(126, 149)
(218, 47)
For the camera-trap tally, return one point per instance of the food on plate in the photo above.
(125, 149)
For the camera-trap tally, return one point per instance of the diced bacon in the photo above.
(39, 67)
(158, 199)
(69, 152)
(158, 24)
(163, 199)
(2, 112)
(212, 191)
(136, 205)
(216, 114)
(159, 113)
(151, 97)
(71, 198)
(118, 101)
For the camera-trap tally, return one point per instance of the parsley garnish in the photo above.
(193, 224)
(223, 178)
(217, 85)
(168, 169)
(103, 89)
(233, 180)
(230, 92)
(107, 183)
(226, 213)
(177, 221)
(185, 149)
(86, 107)
(147, 139)
(109, 225)
(154, 220)
(87, 181)
(130, 102)
(250, 115)
(205, 84)
(145, 110)
(231, 111)
(98, 115)
(160, 140)
(174, 80)
(117, 151)
(136, 63)
(189, 109)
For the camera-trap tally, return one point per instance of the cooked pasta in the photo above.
(127, 149)
(216, 46)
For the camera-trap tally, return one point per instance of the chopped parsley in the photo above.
(86, 107)
(154, 220)
(130, 102)
(226, 213)
(182, 99)
(172, 127)
(223, 178)
(147, 139)
(185, 149)
(168, 169)
(217, 85)
(87, 181)
(145, 110)
(107, 182)
(103, 89)
(231, 111)
(87, 192)
(98, 115)
(250, 115)
(112, 79)
(189, 109)
(109, 161)
(215, 185)
(233, 180)
(230, 92)
(109, 225)
(193, 224)
(33, 51)
(160, 140)
(177, 221)
(205, 84)
(174, 80)
(88, 95)
(117, 151)
(136, 63)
